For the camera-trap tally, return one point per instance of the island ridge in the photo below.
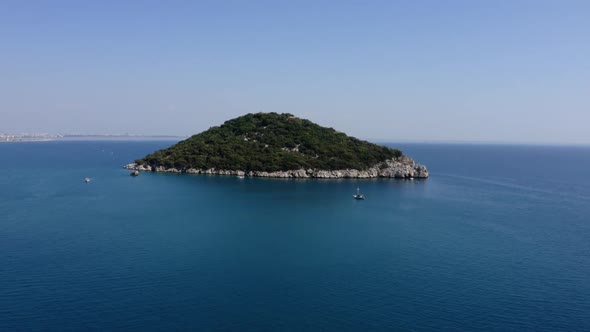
(279, 145)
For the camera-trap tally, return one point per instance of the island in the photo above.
(282, 146)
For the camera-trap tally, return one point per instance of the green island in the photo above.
(279, 145)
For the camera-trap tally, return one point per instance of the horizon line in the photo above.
(373, 140)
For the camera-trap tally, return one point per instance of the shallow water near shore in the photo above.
(496, 239)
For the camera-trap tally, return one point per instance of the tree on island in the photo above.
(271, 142)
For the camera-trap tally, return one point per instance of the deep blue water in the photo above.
(497, 239)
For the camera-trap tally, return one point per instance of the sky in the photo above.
(430, 71)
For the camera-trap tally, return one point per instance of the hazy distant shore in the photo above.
(18, 138)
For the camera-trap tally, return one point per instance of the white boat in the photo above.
(87, 180)
(358, 194)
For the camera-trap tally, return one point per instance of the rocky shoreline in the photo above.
(399, 168)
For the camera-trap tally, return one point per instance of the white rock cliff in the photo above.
(401, 168)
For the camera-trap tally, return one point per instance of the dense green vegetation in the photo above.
(270, 142)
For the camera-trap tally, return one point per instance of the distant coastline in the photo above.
(15, 138)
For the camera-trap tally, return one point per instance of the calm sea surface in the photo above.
(497, 239)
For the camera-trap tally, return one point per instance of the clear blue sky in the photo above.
(498, 71)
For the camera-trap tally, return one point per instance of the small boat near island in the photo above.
(135, 173)
(358, 194)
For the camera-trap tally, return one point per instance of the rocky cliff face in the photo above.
(403, 167)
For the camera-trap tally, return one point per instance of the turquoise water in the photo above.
(497, 239)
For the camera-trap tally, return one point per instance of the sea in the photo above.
(497, 239)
